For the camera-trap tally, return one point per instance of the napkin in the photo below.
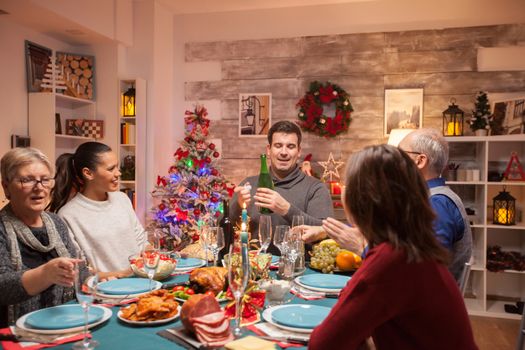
(54, 340)
(307, 294)
(250, 343)
(264, 328)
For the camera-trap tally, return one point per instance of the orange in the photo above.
(347, 260)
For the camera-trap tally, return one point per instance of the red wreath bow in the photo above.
(251, 303)
(326, 94)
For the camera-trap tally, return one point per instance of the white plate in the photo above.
(316, 289)
(155, 284)
(267, 316)
(149, 323)
(20, 323)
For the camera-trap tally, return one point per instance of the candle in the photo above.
(453, 128)
(502, 216)
(335, 187)
(244, 233)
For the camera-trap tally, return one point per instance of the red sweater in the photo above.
(401, 305)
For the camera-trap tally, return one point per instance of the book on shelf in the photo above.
(127, 133)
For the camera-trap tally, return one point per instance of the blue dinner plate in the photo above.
(300, 316)
(275, 259)
(185, 263)
(62, 317)
(124, 286)
(327, 281)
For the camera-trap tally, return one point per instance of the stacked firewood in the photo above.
(498, 260)
(78, 74)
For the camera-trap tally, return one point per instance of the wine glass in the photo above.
(298, 220)
(215, 241)
(279, 237)
(265, 232)
(238, 276)
(295, 250)
(85, 272)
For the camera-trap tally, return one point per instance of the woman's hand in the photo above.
(312, 234)
(349, 238)
(60, 271)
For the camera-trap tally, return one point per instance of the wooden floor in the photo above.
(495, 333)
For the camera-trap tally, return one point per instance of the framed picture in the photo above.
(79, 74)
(508, 113)
(255, 112)
(58, 124)
(38, 59)
(403, 109)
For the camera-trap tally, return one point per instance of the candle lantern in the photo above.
(128, 103)
(453, 120)
(504, 206)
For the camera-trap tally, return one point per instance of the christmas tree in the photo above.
(190, 196)
(481, 115)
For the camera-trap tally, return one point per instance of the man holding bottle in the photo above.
(294, 192)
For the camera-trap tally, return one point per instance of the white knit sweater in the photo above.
(109, 229)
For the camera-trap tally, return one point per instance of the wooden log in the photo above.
(84, 64)
(74, 64)
(83, 81)
(87, 73)
(78, 72)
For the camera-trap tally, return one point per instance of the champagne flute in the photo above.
(151, 258)
(238, 276)
(215, 241)
(279, 237)
(265, 232)
(85, 272)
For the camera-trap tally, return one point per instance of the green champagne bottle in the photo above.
(265, 180)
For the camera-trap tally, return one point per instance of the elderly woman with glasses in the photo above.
(36, 264)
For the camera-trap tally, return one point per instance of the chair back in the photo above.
(520, 345)
(462, 283)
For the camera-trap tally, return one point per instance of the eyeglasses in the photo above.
(29, 183)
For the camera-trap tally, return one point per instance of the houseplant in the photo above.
(480, 121)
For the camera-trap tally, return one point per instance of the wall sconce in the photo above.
(453, 120)
(252, 106)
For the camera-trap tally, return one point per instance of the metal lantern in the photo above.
(504, 206)
(128, 103)
(453, 120)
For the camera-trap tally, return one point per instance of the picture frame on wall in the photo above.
(255, 114)
(38, 58)
(507, 113)
(79, 74)
(403, 109)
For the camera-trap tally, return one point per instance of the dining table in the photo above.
(115, 334)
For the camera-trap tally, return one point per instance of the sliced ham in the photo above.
(212, 319)
(217, 342)
(220, 329)
(196, 306)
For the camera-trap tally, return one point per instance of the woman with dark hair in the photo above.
(36, 253)
(403, 295)
(100, 217)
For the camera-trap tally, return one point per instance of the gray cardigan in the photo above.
(11, 290)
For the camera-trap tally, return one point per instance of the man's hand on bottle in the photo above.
(266, 198)
(243, 194)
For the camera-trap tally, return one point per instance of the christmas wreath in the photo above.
(311, 111)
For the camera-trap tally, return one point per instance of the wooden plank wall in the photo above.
(442, 62)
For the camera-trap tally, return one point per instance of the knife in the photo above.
(332, 295)
(284, 339)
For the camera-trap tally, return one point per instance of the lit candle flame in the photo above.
(243, 227)
(244, 205)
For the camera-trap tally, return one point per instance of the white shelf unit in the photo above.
(487, 292)
(41, 110)
(137, 147)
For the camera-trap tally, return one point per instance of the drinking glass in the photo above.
(279, 237)
(295, 250)
(150, 257)
(85, 272)
(298, 220)
(238, 276)
(215, 242)
(265, 232)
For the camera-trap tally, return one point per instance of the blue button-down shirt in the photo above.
(449, 225)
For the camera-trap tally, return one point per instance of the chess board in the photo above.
(85, 127)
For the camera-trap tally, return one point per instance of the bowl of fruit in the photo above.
(164, 269)
(328, 257)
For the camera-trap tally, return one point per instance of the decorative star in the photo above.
(330, 168)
